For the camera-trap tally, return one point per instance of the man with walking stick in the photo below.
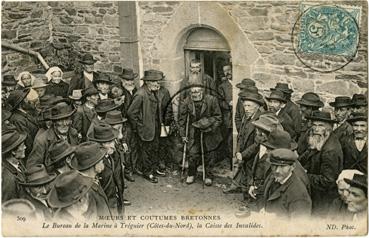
(203, 115)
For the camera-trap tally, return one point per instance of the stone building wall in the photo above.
(81, 26)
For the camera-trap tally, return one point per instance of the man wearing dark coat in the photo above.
(144, 117)
(61, 117)
(342, 109)
(12, 169)
(201, 112)
(84, 79)
(21, 116)
(246, 84)
(355, 150)
(86, 113)
(285, 194)
(323, 162)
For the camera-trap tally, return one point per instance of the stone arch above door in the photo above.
(169, 44)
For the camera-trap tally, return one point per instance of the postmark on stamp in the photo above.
(326, 37)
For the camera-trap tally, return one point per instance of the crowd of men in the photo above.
(69, 147)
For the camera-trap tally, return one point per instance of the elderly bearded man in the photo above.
(323, 162)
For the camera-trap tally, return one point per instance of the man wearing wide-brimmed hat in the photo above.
(103, 83)
(85, 114)
(59, 156)
(143, 115)
(285, 194)
(37, 187)
(40, 87)
(202, 114)
(61, 129)
(112, 178)
(247, 85)
(323, 161)
(8, 84)
(21, 115)
(359, 103)
(357, 199)
(276, 104)
(342, 109)
(84, 79)
(12, 171)
(355, 150)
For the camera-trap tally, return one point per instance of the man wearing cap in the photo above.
(359, 103)
(276, 104)
(285, 194)
(112, 177)
(323, 161)
(308, 103)
(85, 114)
(37, 187)
(61, 129)
(357, 199)
(84, 79)
(12, 169)
(342, 109)
(290, 108)
(89, 161)
(144, 115)
(103, 83)
(201, 112)
(56, 84)
(355, 150)
(59, 156)
(21, 117)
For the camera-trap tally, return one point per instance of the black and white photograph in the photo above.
(184, 118)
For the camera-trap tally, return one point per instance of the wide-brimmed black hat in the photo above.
(204, 124)
(16, 97)
(357, 116)
(128, 74)
(11, 139)
(359, 100)
(102, 78)
(282, 157)
(280, 139)
(106, 105)
(310, 99)
(68, 188)
(282, 87)
(102, 132)
(46, 101)
(341, 101)
(114, 117)
(251, 96)
(250, 89)
(9, 80)
(89, 91)
(88, 59)
(277, 95)
(321, 116)
(58, 151)
(37, 175)
(245, 83)
(60, 111)
(153, 75)
(358, 181)
(87, 155)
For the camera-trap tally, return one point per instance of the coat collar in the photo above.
(278, 192)
(88, 112)
(191, 107)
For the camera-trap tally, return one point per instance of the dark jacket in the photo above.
(41, 208)
(128, 98)
(287, 123)
(240, 111)
(78, 81)
(82, 120)
(246, 135)
(225, 93)
(289, 200)
(25, 123)
(98, 201)
(44, 140)
(209, 109)
(165, 106)
(143, 114)
(294, 112)
(10, 178)
(207, 82)
(353, 158)
(323, 168)
(344, 132)
(60, 89)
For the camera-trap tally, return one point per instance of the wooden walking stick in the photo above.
(185, 149)
(202, 159)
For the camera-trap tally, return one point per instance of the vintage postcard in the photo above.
(184, 118)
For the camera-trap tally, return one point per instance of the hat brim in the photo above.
(260, 102)
(55, 202)
(89, 62)
(293, 145)
(354, 183)
(151, 79)
(75, 98)
(91, 136)
(281, 164)
(111, 122)
(58, 158)
(108, 109)
(22, 137)
(306, 103)
(129, 77)
(321, 119)
(360, 118)
(289, 91)
(59, 117)
(261, 126)
(339, 105)
(24, 95)
(40, 86)
(74, 162)
(276, 98)
(32, 184)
